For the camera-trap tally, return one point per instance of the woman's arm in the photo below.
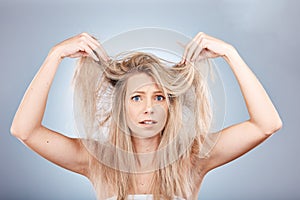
(264, 120)
(27, 124)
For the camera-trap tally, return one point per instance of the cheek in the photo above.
(132, 111)
(163, 113)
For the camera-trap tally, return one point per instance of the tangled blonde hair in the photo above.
(99, 96)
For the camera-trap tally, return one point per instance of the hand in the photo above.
(81, 45)
(204, 46)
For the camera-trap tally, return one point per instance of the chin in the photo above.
(145, 135)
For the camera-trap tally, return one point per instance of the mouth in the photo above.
(148, 122)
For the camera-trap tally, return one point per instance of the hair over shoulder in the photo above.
(99, 96)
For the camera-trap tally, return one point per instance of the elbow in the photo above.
(268, 126)
(18, 132)
(23, 129)
(273, 127)
(278, 125)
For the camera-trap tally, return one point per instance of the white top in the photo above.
(142, 197)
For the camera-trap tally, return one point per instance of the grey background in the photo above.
(264, 32)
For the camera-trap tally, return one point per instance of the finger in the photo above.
(206, 53)
(196, 46)
(200, 47)
(191, 50)
(209, 48)
(201, 56)
(98, 48)
(79, 54)
(191, 47)
(88, 36)
(86, 48)
(186, 51)
(187, 48)
(102, 53)
(93, 44)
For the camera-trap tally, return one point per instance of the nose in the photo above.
(149, 107)
(149, 110)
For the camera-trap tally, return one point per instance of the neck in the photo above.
(146, 145)
(146, 148)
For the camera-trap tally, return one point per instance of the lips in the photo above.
(148, 122)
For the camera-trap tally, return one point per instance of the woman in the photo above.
(158, 119)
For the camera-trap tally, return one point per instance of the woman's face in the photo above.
(146, 106)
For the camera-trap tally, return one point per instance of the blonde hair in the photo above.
(99, 96)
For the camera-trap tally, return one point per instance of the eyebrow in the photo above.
(142, 92)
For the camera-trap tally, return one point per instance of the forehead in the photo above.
(141, 81)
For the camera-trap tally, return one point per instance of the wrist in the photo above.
(56, 54)
(231, 54)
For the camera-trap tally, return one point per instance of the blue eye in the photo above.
(136, 98)
(160, 98)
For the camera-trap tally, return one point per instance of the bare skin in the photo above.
(146, 107)
(67, 152)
